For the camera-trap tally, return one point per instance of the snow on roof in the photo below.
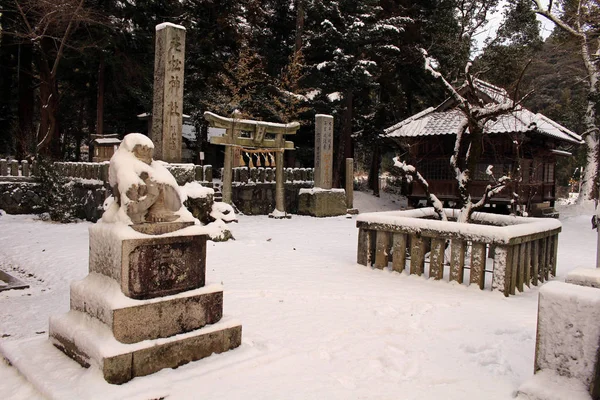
(107, 141)
(432, 121)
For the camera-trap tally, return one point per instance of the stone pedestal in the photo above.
(567, 343)
(144, 305)
(322, 202)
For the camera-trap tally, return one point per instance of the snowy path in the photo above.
(316, 325)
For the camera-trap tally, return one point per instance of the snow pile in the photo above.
(548, 385)
(224, 212)
(194, 190)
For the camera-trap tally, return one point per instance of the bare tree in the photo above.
(468, 146)
(581, 20)
(49, 25)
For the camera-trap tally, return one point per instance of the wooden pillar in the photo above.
(365, 244)
(399, 252)
(3, 167)
(528, 264)
(417, 255)
(521, 267)
(478, 264)
(436, 258)
(382, 249)
(457, 260)
(535, 262)
(228, 169)
(514, 269)
(554, 254)
(502, 269)
(542, 265)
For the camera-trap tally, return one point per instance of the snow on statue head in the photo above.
(143, 189)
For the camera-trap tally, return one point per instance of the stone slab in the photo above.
(160, 228)
(133, 320)
(322, 203)
(57, 377)
(148, 266)
(584, 277)
(90, 342)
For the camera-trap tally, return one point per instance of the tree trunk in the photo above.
(345, 145)
(589, 187)
(299, 25)
(7, 56)
(48, 135)
(374, 171)
(100, 99)
(26, 138)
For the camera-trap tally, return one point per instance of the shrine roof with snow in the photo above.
(446, 120)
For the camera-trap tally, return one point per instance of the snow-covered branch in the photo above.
(410, 170)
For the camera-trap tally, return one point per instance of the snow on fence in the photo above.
(243, 175)
(13, 169)
(522, 251)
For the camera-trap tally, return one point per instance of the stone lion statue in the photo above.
(144, 190)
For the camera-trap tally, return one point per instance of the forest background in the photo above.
(72, 68)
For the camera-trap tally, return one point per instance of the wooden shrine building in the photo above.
(426, 140)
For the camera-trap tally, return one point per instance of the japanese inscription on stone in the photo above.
(323, 151)
(167, 112)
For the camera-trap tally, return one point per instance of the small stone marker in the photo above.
(323, 151)
(167, 110)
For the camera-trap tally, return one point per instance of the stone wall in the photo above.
(20, 197)
(259, 198)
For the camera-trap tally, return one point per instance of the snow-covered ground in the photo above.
(316, 325)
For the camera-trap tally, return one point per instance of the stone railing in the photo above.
(244, 175)
(16, 170)
(520, 251)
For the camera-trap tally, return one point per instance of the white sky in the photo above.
(490, 29)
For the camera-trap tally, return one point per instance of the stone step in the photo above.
(90, 342)
(132, 321)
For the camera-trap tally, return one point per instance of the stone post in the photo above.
(323, 151)
(167, 110)
(279, 179)
(227, 176)
(349, 182)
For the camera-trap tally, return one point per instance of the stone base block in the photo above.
(321, 202)
(90, 342)
(568, 333)
(584, 277)
(148, 266)
(132, 320)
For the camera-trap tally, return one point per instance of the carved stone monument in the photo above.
(167, 110)
(144, 305)
(322, 200)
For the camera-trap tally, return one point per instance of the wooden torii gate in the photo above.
(257, 140)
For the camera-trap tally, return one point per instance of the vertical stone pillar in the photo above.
(323, 151)
(167, 110)
(279, 178)
(349, 182)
